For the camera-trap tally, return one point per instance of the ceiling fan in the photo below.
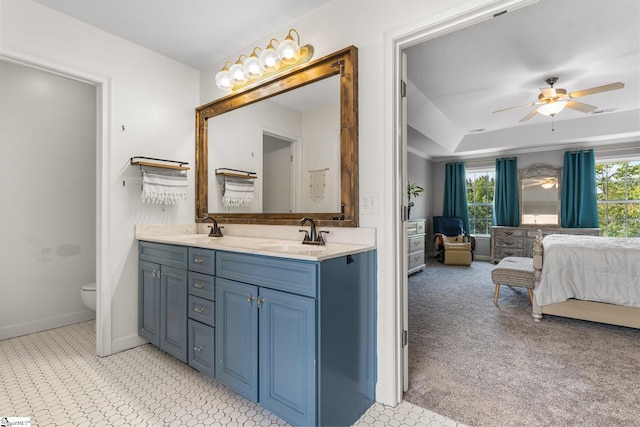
(551, 101)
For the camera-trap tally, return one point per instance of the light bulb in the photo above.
(252, 68)
(288, 50)
(223, 81)
(236, 73)
(269, 60)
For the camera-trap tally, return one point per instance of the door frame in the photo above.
(103, 205)
(295, 143)
(395, 44)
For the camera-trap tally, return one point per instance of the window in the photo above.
(480, 187)
(618, 188)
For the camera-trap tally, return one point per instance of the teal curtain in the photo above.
(579, 204)
(506, 204)
(455, 193)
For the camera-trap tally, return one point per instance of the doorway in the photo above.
(408, 37)
(279, 165)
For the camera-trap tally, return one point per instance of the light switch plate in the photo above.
(369, 203)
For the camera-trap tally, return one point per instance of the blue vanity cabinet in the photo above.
(201, 310)
(274, 318)
(162, 297)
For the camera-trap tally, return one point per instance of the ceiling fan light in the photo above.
(551, 108)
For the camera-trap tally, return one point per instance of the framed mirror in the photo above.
(235, 135)
(540, 195)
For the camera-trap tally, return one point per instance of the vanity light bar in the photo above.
(269, 62)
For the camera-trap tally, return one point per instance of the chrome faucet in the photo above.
(313, 238)
(215, 230)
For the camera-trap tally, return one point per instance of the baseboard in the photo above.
(40, 325)
(481, 258)
(126, 343)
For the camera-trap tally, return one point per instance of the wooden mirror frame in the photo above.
(343, 63)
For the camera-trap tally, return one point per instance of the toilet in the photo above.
(88, 295)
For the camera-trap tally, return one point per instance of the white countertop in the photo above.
(283, 248)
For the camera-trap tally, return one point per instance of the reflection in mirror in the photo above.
(322, 140)
(540, 195)
(292, 143)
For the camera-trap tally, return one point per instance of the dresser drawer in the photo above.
(505, 252)
(512, 232)
(201, 354)
(416, 259)
(508, 242)
(201, 285)
(416, 243)
(202, 260)
(299, 277)
(202, 310)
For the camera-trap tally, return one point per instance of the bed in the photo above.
(587, 277)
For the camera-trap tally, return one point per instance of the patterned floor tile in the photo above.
(55, 378)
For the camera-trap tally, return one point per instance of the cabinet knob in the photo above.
(197, 349)
(198, 285)
(260, 300)
(250, 299)
(156, 273)
(198, 310)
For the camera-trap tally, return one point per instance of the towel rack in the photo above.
(173, 164)
(236, 173)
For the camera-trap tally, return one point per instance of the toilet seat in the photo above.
(89, 287)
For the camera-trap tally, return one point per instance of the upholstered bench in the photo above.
(513, 271)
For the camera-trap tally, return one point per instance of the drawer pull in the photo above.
(197, 349)
(198, 260)
(198, 310)
(508, 233)
(508, 243)
(198, 285)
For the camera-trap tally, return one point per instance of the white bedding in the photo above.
(602, 269)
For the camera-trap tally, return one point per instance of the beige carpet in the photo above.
(488, 365)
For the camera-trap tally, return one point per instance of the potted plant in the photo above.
(414, 190)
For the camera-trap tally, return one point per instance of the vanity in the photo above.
(289, 326)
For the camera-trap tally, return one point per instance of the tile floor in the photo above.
(55, 378)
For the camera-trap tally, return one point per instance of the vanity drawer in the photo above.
(202, 260)
(161, 253)
(201, 285)
(416, 243)
(202, 310)
(299, 277)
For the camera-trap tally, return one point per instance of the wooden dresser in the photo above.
(518, 241)
(416, 229)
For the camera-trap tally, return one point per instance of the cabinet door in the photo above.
(149, 301)
(201, 347)
(173, 312)
(287, 356)
(237, 337)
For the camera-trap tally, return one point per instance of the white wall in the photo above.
(152, 96)
(48, 219)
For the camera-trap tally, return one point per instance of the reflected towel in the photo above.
(237, 191)
(164, 187)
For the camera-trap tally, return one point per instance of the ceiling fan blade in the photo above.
(548, 92)
(580, 106)
(528, 116)
(597, 89)
(517, 106)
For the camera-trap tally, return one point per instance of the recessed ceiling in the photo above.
(460, 78)
(198, 33)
